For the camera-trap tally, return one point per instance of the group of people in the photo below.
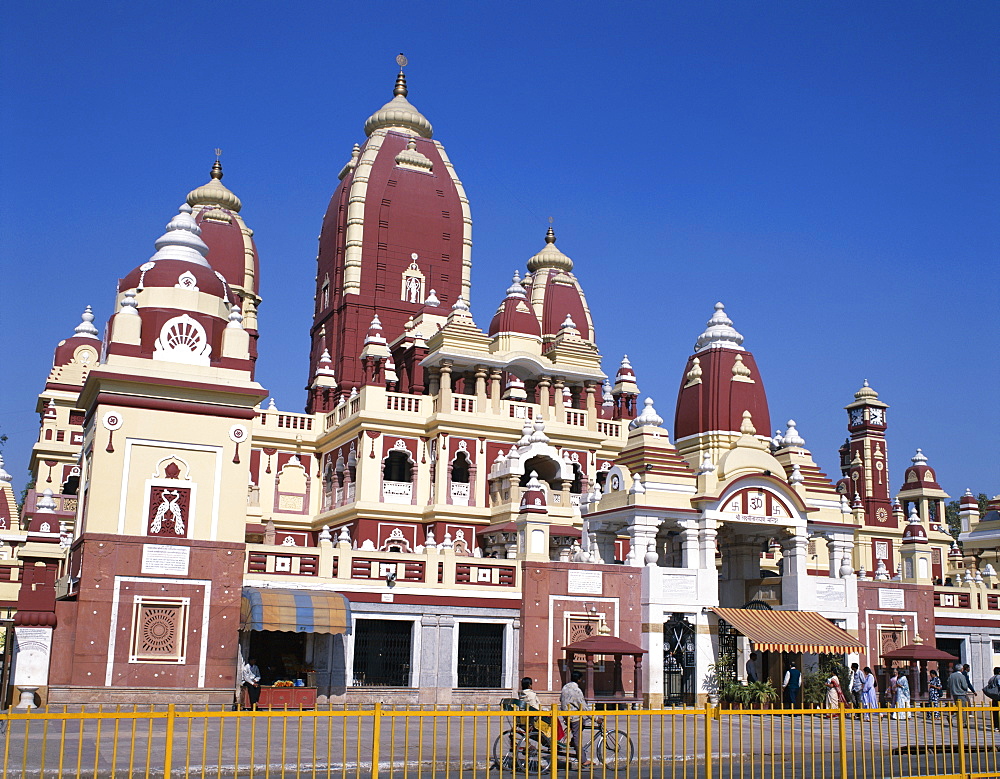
(571, 698)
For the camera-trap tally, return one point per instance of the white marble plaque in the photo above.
(830, 593)
(31, 656)
(586, 582)
(166, 559)
(679, 588)
(891, 598)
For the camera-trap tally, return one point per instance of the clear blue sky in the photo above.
(829, 170)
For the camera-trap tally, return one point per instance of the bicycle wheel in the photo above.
(503, 749)
(615, 749)
(530, 754)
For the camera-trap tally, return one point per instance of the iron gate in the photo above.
(678, 661)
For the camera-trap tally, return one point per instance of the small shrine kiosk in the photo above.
(605, 687)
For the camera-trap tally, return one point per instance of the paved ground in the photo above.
(758, 744)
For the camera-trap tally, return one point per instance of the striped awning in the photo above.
(294, 611)
(790, 631)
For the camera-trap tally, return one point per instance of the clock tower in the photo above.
(864, 461)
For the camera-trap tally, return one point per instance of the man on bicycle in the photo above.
(571, 698)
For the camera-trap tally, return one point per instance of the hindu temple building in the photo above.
(456, 505)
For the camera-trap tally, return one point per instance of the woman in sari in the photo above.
(834, 694)
(869, 692)
(902, 696)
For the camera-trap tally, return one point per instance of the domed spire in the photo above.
(515, 289)
(5, 477)
(182, 240)
(866, 392)
(919, 458)
(720, 333)
(647, 418)
(400, 90)
(86, 327)
(550, 256)
(215, 193)
(792, 437)
(399, 113)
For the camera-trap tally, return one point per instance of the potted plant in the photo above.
(761, 694)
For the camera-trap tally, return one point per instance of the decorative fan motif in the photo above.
(183, 339)
(159, 630)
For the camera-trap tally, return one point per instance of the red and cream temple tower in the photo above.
(511, 490)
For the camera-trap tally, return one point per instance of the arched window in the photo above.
(71, 486)
(546, 468)
(460, 468)
(397, 467)
(576, 487)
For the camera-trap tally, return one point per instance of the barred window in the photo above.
(159, 630)
(480, 654)
(382, 652)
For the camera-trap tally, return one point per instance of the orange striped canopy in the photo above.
(790, 631)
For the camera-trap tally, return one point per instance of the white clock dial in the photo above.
(857, 416)
(876, 416)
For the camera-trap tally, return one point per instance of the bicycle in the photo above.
(527, 746)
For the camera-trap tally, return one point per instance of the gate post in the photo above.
(709, 713)
(168, 747)
(377, 737)
(843, 741)
(961, 739)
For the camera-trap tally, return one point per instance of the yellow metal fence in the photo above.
(379, 742)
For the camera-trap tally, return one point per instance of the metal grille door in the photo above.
(480, 655)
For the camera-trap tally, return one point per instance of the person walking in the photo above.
(902, 698)
(752, 673)
(934, 689)
(791, 683)
(869, 693)
(890, 688)
(992, 691)
(857, 685)
(251, 681)
(959, 689)
(834, 694)
(571, 698)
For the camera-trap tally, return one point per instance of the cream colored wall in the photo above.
(118, 483)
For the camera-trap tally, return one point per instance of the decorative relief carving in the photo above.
(168, 511)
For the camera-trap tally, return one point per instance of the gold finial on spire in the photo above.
(217, 167)
(550, 236)
(400, 89)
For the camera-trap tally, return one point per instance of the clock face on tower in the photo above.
(876, 416)
(857, 416)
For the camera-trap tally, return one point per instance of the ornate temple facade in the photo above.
(456, 505)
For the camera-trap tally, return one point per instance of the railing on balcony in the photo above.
(464, 404)
(521, 411)
(610, 429)
(285, 421)
(460, 493)
(397, 492)
(576, 418)
(395, 401)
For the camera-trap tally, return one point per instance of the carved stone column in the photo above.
(444, 394)
(496, 391)
(544, 396)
